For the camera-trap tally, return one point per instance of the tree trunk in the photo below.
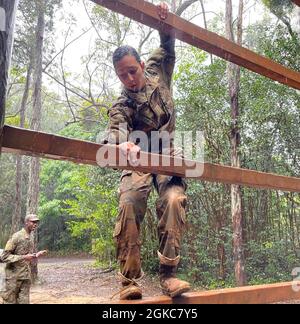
(7, 19)
(17, 215)
(205, 26)
(34, 168)
(33, 186)
(220, 246)
(233, 72)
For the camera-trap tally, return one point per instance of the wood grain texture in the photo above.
(27, 142)
(260, 294)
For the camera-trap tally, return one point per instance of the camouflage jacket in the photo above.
(19, 245)
(152, 108)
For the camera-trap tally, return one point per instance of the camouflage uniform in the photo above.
(17, 270)
(150, 109)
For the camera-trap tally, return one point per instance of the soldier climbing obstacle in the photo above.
(146, 105)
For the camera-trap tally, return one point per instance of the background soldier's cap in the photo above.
(31, 218)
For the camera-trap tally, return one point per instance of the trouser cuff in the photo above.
(126, 281)
(167, 261)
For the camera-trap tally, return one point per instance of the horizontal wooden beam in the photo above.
(27, 142)
(260, 294)
(146, 13)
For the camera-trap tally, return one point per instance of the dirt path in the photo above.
(76, 281)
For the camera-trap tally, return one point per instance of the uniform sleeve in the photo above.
(162, 60)
(8, 255)
(120, 124)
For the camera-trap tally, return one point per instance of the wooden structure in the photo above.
(146, 13)
(21, 141)
(260, 294)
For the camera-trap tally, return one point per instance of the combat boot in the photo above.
(172, 286)
(131, 288)
(131, 291)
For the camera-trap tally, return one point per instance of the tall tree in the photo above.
(282, 9)
(233, 73)
(23, 60)
(17, 214)
(35, 124)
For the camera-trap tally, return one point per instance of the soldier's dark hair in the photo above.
(122, 51)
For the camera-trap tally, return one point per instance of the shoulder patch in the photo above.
(9, 245)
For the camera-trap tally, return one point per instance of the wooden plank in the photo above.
(22, 141)
(146, 13)
(297, 2)
(260, 294)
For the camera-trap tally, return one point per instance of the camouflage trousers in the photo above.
(134, 191)
(16, 292)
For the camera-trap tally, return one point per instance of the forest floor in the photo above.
(75, 280)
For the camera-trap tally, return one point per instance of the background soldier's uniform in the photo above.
(150, 109)
(17, 270)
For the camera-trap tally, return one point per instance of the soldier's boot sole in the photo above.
(131, 292)
(176, 292)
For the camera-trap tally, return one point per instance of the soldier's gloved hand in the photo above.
(29, 257)
(130, 151)
(163, 10)
(41, 253)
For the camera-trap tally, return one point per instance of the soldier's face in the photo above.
(31, 226)
(131, 73)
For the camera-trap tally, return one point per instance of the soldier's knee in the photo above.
(133, 197)
(175, 197)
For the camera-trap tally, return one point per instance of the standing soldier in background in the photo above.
(17, 255)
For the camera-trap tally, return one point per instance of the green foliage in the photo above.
(270, 261)
(279, 6)
(58, 183)
(93, 211)
(79, 204)
(202, 102)
(269, 119)
(7, 195)
(149, 237)
(55, 187)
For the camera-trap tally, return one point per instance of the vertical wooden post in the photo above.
(7, 19)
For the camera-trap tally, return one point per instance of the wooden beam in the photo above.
(22, 141)
(146, 13)
(297, 2)
(260, 294)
